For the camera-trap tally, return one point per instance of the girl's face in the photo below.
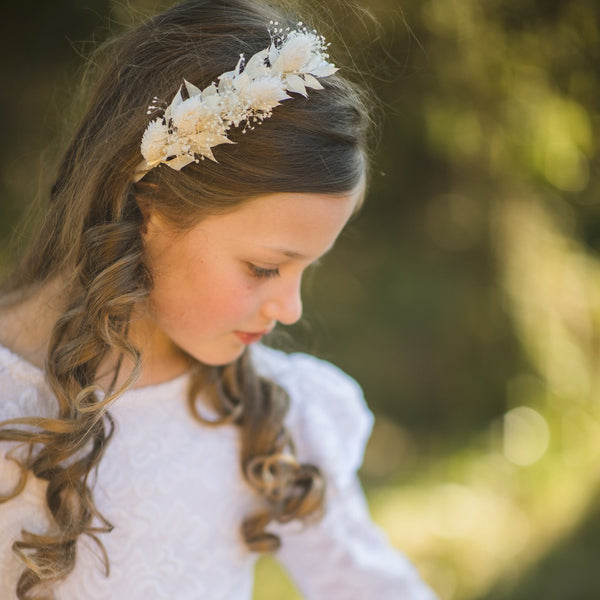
(228, 280)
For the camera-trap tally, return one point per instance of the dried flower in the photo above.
(190, 127)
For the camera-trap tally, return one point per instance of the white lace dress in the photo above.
(173, 490)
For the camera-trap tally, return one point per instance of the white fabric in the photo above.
(173, 490)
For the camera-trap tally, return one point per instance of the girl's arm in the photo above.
(345, 556)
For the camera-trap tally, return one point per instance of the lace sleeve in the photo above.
(345, 556)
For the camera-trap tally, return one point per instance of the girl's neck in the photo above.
(162, 360)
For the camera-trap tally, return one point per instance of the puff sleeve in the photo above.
(345, 556)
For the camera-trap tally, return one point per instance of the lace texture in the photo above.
(177, 497)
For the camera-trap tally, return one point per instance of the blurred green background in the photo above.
(466, 297)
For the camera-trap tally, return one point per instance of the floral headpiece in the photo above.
(190, 126)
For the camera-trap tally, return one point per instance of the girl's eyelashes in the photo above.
(266, 273)
(262, 273)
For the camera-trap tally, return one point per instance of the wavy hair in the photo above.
(90, 240)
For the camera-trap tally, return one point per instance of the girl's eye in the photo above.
(261, 273)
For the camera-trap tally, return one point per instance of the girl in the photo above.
(143, 428)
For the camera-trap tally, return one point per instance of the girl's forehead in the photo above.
(296, 225)
(294, 209)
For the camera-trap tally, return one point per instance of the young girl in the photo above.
(143, 427)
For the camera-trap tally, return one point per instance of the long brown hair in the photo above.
(91, 238)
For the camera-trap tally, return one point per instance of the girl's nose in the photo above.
(285, 305)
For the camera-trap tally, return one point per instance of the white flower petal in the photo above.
(192, 90)
(221, 139)
(264, 93)
(226, 82)
(296, 84)
(175, 147)
(201, 143)
(273, 55)
(239, 65)
(177, 100)
(141, 170)
(207, 153)
(212, 103)
(211, 90)
(314, 63)
(154, 141)
(242, 81)
(296, 51)
(256, 65)
(187, 116)
(179, 162)
(312, 82)
(324, 70)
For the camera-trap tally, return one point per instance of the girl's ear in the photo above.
(154, 225)
(143, 195)
(145, 209)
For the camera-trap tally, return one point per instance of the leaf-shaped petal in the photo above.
(242, 81)
(295, 84)
(177, 100)
(141, 170)
(240, 63)
(207, 153)
(210, 90)
(273, 55)
(192, 90)
(226, 82)
(315, 61)
(256, 65)
(202, 142)
(221, 139)
(179, 162)
(324, 70)
(312, 82)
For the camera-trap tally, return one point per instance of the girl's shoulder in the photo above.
(328, 416)
(297, 366)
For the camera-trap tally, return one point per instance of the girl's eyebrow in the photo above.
(292, 253)
(288, 253)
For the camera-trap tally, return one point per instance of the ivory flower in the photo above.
(265, 93)
(154, 141)
(296, 52)
(195, 121)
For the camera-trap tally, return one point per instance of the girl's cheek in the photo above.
(242, 299)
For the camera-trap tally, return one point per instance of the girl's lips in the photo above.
(249, 338)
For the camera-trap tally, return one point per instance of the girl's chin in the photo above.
(219, 356)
